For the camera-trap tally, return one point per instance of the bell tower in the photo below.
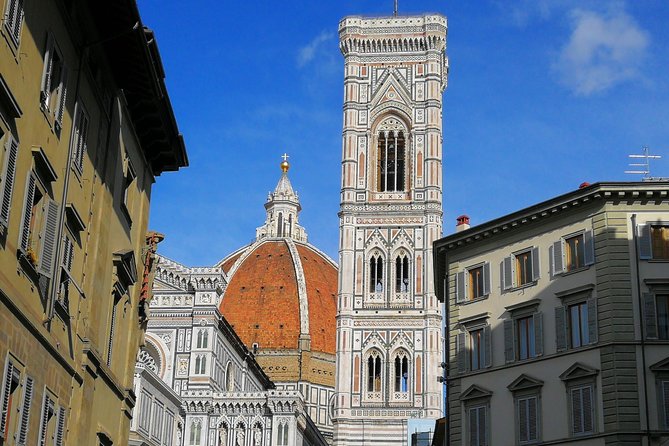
(389, 320)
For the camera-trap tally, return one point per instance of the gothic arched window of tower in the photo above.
(391, 160)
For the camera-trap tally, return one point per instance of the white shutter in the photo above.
(25, 411)
(24, 235)
(47, 413)
(7, 180)
(68, 253)
(46, 74)
(6, 393)
(62, 97)
(60, 427)
(47, 256)
(18, 20)
(558, 257)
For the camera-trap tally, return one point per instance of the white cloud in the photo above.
(604, 49)
(308, 52)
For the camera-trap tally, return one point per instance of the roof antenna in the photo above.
(643, 168)
(395, 10)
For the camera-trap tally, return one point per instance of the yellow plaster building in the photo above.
(85, 127)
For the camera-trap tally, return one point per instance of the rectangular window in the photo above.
(476, 349)
(478, 428)
(473, 283)
(659, 235)
(573, 252)
(37, 238)
(582, 410)
(527, 418)
(520, 269)
(526, 338)
(14, 19)
(578, 323)
(523, 335)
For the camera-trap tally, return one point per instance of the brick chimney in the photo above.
(462, 223)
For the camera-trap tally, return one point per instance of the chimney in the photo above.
(462, 223)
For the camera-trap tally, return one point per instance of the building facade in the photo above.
(388, 317)
(557, 321)
(85, 128)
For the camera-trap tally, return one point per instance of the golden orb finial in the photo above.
(284, 164)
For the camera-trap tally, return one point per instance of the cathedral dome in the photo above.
(281, 292)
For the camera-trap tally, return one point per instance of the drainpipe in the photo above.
(643, 326)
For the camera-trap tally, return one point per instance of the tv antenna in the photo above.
(642, 167)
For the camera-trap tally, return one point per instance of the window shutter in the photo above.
(25, 411)
(27, 212)
(558, 257)
(47, 411)
(536, 264)
(46, 75)
(643, 234)
(532, 418)
(649, 316)
(586, 393)
(82, 138)
(7, 388)
(68, 253)
(62, 95)
(486, 278)
(11, 150)
(483, 428)
(592, 320)
(589, 245)
(665, 403)
(509, 354)
(473, 426)
(507, 273)
(460, 295)
(487, 346)
(18, 18)
(538, 333)
(576, 411)
(60, 427)
(561, 328)
(47, 257)
(462, 352)
(523, 434)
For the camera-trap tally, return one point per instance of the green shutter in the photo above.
(592, 320)
(589, 245)
(507, 273)
(536, 264)
(645, 247)
(486, 279)
(509, 353)
(538, 333)
(561, 328)
(558, 257)
(649, 316)
(460, 293)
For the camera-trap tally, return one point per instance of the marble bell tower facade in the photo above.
(389, 337)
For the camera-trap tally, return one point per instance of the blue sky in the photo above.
(542, 95)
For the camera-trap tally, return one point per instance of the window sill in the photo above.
(657, 260)
(521, 287)
(473, 301)
(573, 271)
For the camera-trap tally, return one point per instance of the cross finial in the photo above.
(285, 157)
(284, 164)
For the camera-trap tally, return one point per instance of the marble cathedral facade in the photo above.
(389, 338)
